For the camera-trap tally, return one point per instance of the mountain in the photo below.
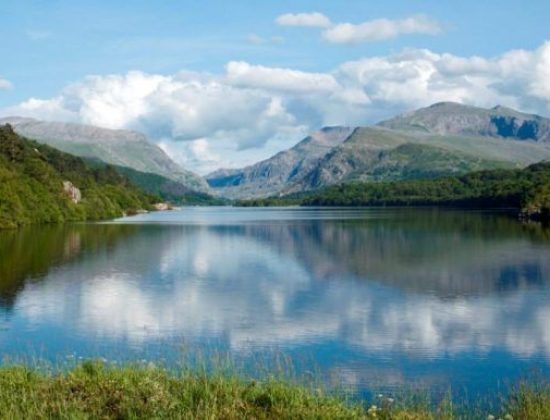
(443, 139)
(167, 189)
(525, 190)
(382, 154)
(272, 175)
(117, 147)
(40, 184)
(455, 119)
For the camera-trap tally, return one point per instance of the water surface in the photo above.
(370, 298)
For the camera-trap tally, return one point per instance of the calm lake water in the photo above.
(372, 298)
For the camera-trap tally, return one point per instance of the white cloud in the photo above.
(369, 31)
(540, 85)
(251, 111)
(5, 84)
(312, 20)
(279, 79)
(415, 78)
(380, 29)
(195, 153)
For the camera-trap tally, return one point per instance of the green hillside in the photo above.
(115, 147)
(420, 161)
(171, 191)
(32, 190)
(168, 190)
(526, 189)
(381, 154)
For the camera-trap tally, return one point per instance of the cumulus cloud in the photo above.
(250, 111)
(5, 84)
(312, 20)
(279, 79)
(369, 31)
(194, 153)
(416, 78)
(381, 29)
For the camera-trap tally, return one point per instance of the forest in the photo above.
(525, 190)
(32, 191)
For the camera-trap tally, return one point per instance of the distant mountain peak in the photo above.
(329, 128)
(13, 119)
(445, 104)
(69, 131)
(451, 118)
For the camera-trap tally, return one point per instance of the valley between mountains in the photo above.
(443, 140)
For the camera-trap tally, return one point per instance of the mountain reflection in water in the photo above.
(363, 291)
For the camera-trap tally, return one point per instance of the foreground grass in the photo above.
(95, 390)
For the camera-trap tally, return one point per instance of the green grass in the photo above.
(530, 402)
(97, 390)
(94, 390)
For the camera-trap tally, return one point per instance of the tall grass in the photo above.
(97, 390)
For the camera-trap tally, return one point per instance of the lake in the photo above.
(368, 298)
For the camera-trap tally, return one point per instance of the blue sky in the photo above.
(50, 45)
(52, 42)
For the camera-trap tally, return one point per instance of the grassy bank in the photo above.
(95, 390)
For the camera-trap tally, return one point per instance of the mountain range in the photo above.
(443, 139)
(122, 148)
(449, 118)
(273, 175)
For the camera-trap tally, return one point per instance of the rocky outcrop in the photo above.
(162, 206)
(72, 192)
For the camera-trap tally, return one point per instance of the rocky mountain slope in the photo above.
(274, 174)
(380, 154)
(443, 139)
(452, 118)
(117, 147)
